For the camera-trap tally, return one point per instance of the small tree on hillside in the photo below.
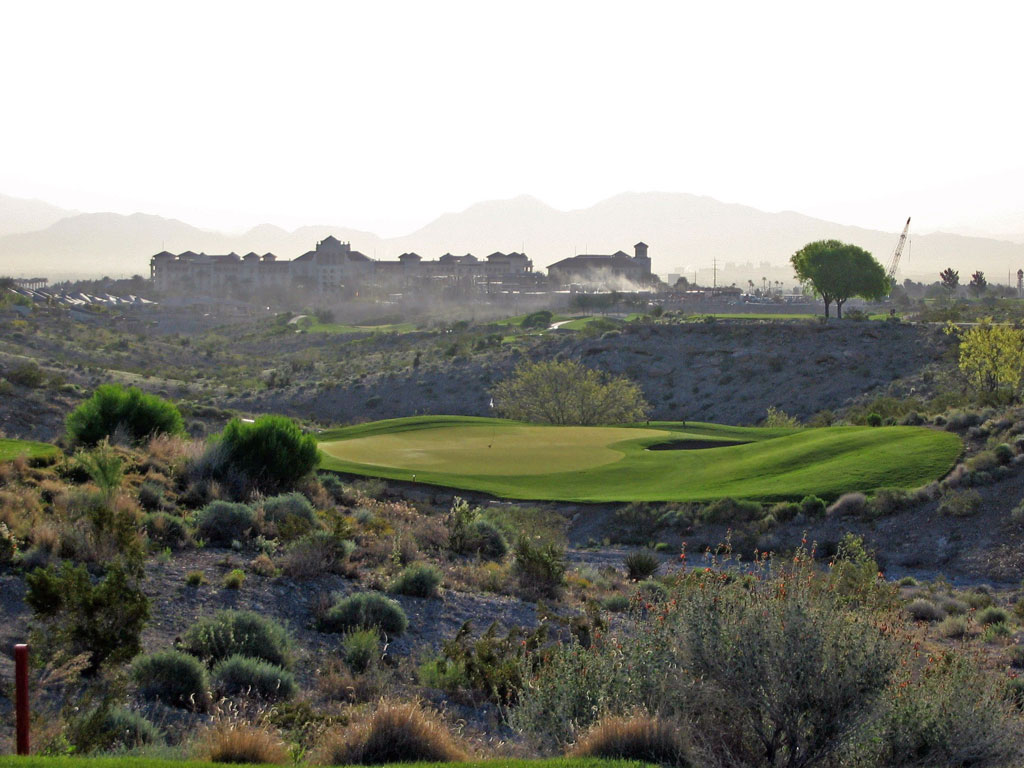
(978, 284)
(114, 409)
(566, 392)
(950, 279)
(272, 453)
(992, 359)
(836, 271)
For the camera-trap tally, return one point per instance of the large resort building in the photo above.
(334, 267)
(590, 267)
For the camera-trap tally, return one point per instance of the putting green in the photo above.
(596, 464)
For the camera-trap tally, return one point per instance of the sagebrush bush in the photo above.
(288, 515)
(952, 606)
(237, 742)
(848, 504)
(272, 451)
(812, 507)
(730, 510)
(953, 627)
(977, 598)
(419, 580)
(316, 554)
(222, 522)
(1015, 655)
(227, 633)
(640, 737)
(365, 610)
(641, 565)
(960, 503)
(173, 677)
(483, 538)
(234, 579)
(165, 530)
(395, 733)
(243, 675)
(925, 610)
(539, 568)
(992, 615)
(128, 729)
(112, 408)
(361, 648)
(784, 511)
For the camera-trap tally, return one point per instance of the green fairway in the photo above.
(12, 449)
(596, 464)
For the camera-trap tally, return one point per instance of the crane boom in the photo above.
(895, 261)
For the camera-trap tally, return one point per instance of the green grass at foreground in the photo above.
(33, 761)
(606, 464)
(12, 449)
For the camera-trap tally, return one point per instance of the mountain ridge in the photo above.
(684, 232)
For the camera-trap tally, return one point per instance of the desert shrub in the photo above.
(641, 565)
(568, 392)
(776, 417)
(173, 677)
(365, 610)
(950, 715)
(360, 649)
(419, 580)
(651, 591)
(730, 510)
(165, 530)
(289, 515)
(151, 496)
(889, 500)
(812, 507)
(26, 375)
(242, 675)
(952, 606)
(908, 581)
(233, 741)
(130, 411)
(102, 619)
(196, 578)
(992, 615)
(1015, 655)
(484, 539)
(874, 420)
(1004, 453)
(640, 737)
(959, 421)
(996, 633)
(539, 568)
(960, 503)
(616, 603)
(985, 461)
(129, 729)
(848, 504)
(234, 579)
(784, 511)
(271, 452)
(222, 522)
(315, 554)
(395, 733)
(953, 627)
(925, 610)
(227, 633)
(977, 598)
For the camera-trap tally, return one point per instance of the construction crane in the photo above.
(895, 261)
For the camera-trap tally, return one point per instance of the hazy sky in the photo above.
(382, 115)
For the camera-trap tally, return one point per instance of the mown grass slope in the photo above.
(12, 449)
(599, 464)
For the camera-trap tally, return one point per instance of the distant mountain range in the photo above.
(683, 232)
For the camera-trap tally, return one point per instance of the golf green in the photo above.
(12, 449)
(659, 461)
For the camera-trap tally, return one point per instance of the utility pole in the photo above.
(714, 275)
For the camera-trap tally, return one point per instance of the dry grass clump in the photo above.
(848, 504)
(395, 733)
(925, 610)
(242, 743)
(640, 737)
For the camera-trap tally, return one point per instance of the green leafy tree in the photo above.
(566, 392)
(272, 452)
(978, 284)
(992, 358)
(112, 408)
(950, 279)
(104, 620)
(836, 271)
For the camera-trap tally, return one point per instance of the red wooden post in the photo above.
(21, 695)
